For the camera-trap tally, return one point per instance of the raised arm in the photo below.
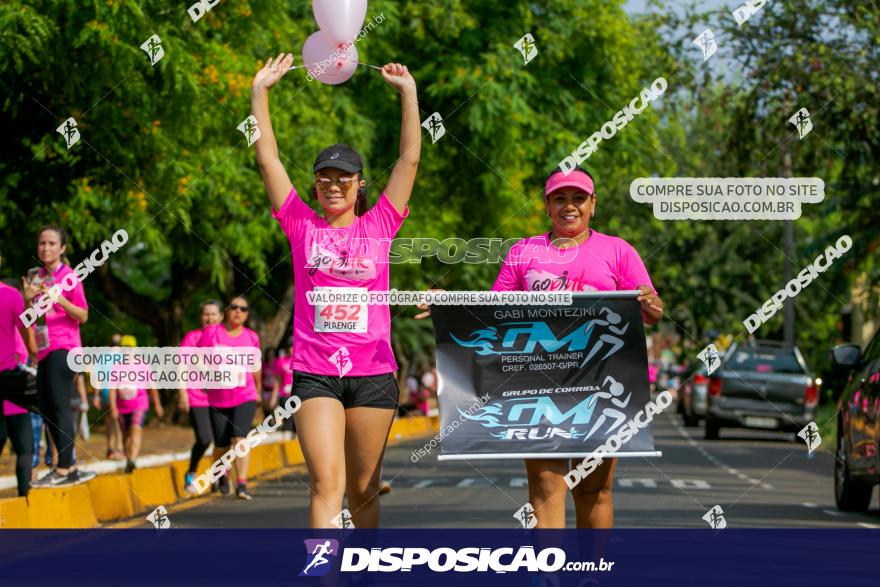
(275, 177)
(403, 176)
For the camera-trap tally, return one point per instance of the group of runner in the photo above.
(343, 371)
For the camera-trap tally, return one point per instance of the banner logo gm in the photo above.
(523, 418)
(509, 338)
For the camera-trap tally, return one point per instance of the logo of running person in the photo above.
(342, 360)
(249, 128)
(810, 434)
(159, 518)
(342, 520)
(801, 121)
(706, 42)
(715, 518)
(526, 46)
(153, 49)
(319, 553)
(69, 131)
(710, 358)
(526, 516)
(434, 125)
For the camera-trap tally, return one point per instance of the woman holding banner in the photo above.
(600, 263)
(343, 364)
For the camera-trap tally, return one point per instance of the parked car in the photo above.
(693, 395)
(856, 469)
(762, 384)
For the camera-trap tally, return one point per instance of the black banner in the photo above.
(542, 381)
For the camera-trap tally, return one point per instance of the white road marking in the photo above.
(690, 484)
(650, 483)
(808, 504)
(832, 513)
(867, 525)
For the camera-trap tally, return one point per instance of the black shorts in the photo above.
(236, 421)
(371, 391)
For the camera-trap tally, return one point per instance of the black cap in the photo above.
(339, 156)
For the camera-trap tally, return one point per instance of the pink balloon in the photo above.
(340, 19)
(329, 62)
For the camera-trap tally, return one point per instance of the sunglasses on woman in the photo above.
(234, 307)
(325, 183)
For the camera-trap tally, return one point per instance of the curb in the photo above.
(113, 497)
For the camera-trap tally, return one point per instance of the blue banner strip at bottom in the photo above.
(545, 558)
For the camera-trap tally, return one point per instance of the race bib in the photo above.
(42, 333)
(344, 313)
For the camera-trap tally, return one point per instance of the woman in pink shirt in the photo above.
(232, 410)
(195, 401)
(587, 261)
(129, 406)
(16, 421)
(55, 337)
(343, 364)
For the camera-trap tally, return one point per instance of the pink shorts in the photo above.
(131, 419)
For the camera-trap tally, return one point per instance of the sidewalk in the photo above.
(171, 442)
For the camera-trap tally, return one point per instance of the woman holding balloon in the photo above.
(343, 365)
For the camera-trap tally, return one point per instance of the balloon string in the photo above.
(368, 65)
(313, 64)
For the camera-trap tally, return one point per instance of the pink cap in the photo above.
(575, 179)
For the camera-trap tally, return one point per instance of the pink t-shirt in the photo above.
(11, 307)
(197, 397)
(352, 257)
(284, 375)
(132, 400)
(600, 263)
(12, 347)
(63, 330)
(216, 335)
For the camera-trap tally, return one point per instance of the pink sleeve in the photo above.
(383, 219)
(207, 338)
(255, 340)
(77, 295)
(631, 272)
(21, 351)
(509, 278)
(292, 211)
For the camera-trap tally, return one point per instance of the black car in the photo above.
(856, 470)
(761, 384)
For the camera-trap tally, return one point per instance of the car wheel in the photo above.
(712, 429)
(851, 496)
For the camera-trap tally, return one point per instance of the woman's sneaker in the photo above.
(54, 479)
(130, 466)
(241, 492)
(223, 486)
(188, 486)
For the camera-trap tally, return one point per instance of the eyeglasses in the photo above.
(234, 307)
(325, 183)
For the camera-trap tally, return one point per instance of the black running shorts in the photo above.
(371, 391)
